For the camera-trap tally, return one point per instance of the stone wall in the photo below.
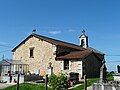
(76, 66)
(44, 53)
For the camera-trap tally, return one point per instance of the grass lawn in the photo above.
(89, 83)
(27, 86)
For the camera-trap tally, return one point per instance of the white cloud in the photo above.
(54, 32)
(3, 43)
(71, 30)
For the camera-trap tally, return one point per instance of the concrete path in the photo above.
(88, 88)
(4, 85)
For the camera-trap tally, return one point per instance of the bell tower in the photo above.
(83, 40)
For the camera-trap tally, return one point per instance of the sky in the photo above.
(63, 20)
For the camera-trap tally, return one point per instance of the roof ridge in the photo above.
(53, 41)
(95, 50)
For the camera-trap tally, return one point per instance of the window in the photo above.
(66, 65)
(31, 52)
(82, 42)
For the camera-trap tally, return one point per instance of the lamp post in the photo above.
(46, 82)
(17, 88)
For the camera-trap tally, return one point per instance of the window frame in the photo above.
(66, 65)
(82, 42)
(31, 52)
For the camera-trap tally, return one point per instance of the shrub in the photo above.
(110, 73)
(58, 82)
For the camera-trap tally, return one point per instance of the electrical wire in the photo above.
(5, 46)
(4, 51)
(112, 61)
(113, 55)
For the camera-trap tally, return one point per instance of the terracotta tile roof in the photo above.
(53, 41)
(75, 55)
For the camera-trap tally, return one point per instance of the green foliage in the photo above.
(110, 73)
(109, 76)
(1, 81)
(91, 81)
(58, 82)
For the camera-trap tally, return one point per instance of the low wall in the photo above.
(32, 77)
(116, 77)
(22, 78)
(13, 78)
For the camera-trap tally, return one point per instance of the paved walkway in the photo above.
(4, 85)
(89, 88)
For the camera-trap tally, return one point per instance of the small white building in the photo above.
(9, 70)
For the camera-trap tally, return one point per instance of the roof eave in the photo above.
(22, 42)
